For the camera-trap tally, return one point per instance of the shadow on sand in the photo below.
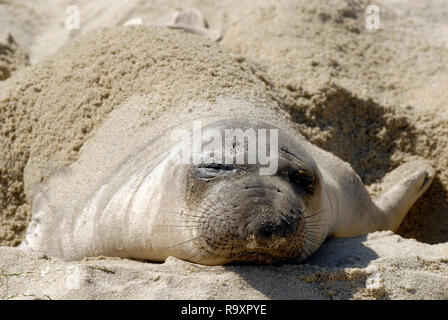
(313, 278)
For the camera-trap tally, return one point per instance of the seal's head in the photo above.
(237, 212)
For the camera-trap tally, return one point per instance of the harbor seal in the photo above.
(153, 205)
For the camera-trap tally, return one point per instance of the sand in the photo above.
(374, 98)
(378, 266)
(12, 57)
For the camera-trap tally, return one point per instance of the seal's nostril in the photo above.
(264, 231)
(265, 235)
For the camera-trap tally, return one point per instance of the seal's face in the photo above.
(239, 215)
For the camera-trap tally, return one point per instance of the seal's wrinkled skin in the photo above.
(154, 205)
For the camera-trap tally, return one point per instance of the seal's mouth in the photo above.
(244, 218)
(252, 229)
(262, 234)
(240, 254)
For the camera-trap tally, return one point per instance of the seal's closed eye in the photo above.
(217, 166)
(303, 178)
(298, 173)
(209, 171)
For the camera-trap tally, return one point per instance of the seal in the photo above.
(150, 203)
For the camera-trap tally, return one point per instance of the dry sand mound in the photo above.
(375, 99)
(58, 104)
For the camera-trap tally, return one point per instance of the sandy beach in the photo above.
(374, 98)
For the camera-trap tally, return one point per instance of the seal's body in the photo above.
(135, 198)
(131, 192)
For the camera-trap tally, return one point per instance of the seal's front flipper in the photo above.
(409, 182)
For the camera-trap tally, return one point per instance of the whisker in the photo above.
(191, 215)
(183, 242)
(199, 211)
(186, 221)
(186, 214)
(204, 210)
(192, 256)
(311, 247)
(314, 214)
(178, 226)
(223, 206)
(206, 253)
(315, 226)
(204, 256)
(306, 250)
(313, 231)
(315, 239)
(230, 201)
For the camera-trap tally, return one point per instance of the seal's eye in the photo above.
(302, 178)
(212, 170)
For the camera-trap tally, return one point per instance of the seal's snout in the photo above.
(264, 221)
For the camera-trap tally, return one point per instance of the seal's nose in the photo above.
(266, 230)
(267, 234)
